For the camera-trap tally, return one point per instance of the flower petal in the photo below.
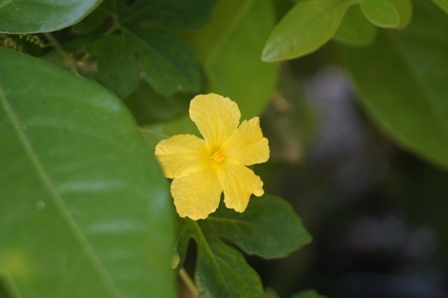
(197, 195)
(215, 116)
(181, 155)
(247, 143)
(239, 182)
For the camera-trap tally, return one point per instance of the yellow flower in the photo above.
(204, 168)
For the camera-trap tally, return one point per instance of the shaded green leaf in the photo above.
(442, 4)
(174, 14)
(355, 30)
(84, 209)
(167, 63)
(117, 63)
(381, 13)
(308, 294)
(268, 228)
(304, 29)
(148, 106)
(42, 16)
(229, 48)
(402, 83)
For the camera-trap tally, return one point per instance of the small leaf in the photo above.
(42, 16)
(268, 228)
(304, 29)
(260, 230)
(84, 209)
(355, 30)
(442, 4)
(402, 79)
(381, 13)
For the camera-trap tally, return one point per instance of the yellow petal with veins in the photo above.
(247, 143)
(181, 155)
(197, 195)
(215, 116)
(239, 183)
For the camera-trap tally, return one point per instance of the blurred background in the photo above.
(377, 214)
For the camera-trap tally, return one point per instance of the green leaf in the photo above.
(167, 63)
(174, 14)
(229, 48)
(268, 228)
(308, 294)
(117, 63)
(404, 8)
(442, 4)
(42, 16)
(304, 29)
(84, 209)
(355, 30)
(381, 13)
(148, 106)
(402, 83)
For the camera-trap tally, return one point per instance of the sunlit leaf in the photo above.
(42, 16)
(402, 83)
(304, 29)
(381, 13)
(84, 209)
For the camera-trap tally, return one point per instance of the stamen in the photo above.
(218, 157)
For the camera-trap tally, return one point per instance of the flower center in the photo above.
(217, 156)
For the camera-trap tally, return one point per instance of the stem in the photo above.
(188, 282)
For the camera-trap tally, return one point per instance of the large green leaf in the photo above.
(21, 16)
(84, 209)
(402, 82)
(268, 228)
(229, 48)
(304, 29)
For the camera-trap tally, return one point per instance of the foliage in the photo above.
(87, 89)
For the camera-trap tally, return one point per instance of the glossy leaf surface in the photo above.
(86, 201)
(402, 83)
(304, 29)
(42, 16)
